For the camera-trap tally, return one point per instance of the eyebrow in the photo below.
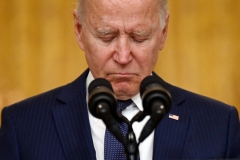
(141, 33)
(104, 31)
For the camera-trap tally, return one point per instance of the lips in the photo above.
(123, 75)
(120, 77)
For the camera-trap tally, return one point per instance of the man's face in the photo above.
(121, 40)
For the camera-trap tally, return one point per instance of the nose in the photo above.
(123, 53)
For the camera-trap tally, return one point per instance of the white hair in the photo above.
(163, 11)
(81, 9)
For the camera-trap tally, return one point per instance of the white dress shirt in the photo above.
(98, 128)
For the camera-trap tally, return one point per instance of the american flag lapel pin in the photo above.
(175, 117)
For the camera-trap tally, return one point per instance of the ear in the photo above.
(78, 28)
(164, 31)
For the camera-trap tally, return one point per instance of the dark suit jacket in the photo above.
(55, 126)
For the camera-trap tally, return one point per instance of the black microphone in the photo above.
(103, 104)
(156, 102)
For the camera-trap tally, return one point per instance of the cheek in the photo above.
(98, 59)
(154, 53)
(147, 57)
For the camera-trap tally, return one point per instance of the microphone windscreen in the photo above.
(153, 92)
(99, 82)
(101, 92)
(150, 80)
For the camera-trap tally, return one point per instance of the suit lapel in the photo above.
(72, 122)
(170, 134)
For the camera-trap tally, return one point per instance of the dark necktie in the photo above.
(113, 149)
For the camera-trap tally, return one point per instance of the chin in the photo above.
(124, 90)
(123, 95)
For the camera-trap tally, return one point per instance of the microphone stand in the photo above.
(132, 146)
(130, 143)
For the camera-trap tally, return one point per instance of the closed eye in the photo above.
(107, 39)
(138, 40)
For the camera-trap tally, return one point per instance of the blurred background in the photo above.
(38, 50)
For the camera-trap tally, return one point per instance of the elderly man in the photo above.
(121, 40)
